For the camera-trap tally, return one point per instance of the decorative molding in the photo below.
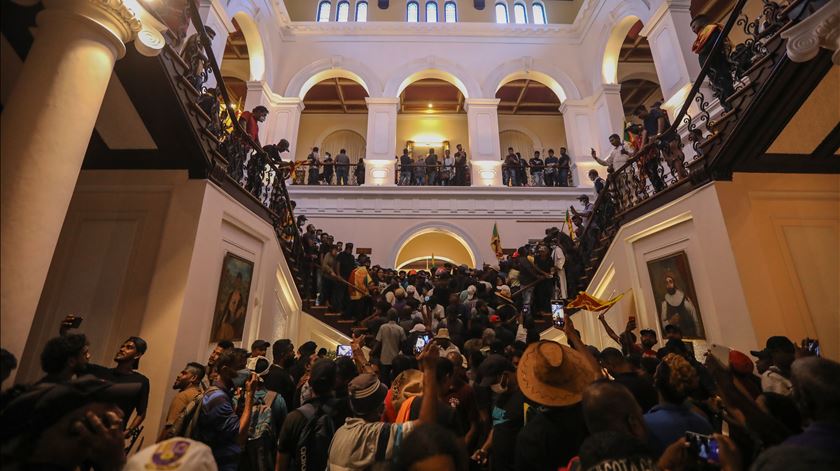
(820, 30)
(411, 202)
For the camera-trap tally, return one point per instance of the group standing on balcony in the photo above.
(554, 171)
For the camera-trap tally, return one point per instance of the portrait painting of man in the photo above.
(674, 295)
(232, 299)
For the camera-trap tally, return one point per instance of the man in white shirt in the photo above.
(781, 353)
(616, 159)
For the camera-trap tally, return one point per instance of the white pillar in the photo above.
(213, 14)
(286, 121)
(669, 33)
(608, 115)
(483, 128)
(46, 127)
(580, 138)
(381, 141)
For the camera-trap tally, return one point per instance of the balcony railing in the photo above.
(660, 165)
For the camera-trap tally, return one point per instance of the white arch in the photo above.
(417, 259)
(433, 67)
(253, 40)
(618, 22)
(334, 129)
(333, 67)
(649, 75)
(435, 226)
(527, 68)
(534, 138)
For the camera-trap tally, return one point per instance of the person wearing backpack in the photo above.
(364, 441)
(188, 385)
(216, 423)
(305, 438)
(268, 411)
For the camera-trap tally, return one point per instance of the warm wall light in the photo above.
(430, 105)
(676, 101)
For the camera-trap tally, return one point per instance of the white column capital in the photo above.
(820, 30)
(382, 101)
(476, 103)
(665, 7)
(120, 21)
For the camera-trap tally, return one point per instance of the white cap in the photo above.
(175, 453)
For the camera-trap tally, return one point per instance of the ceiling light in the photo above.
(430, 105)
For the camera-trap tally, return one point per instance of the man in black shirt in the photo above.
(655, 122)
(279, 378)
(625, 374)
(406, 166)
(596, 180)
(128, 360)
(564, 164)
(551, 169)
(346, 264)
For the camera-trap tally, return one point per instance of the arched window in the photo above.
(412, 12)
(520, 16)
(361, 12)
(324, 11)
(431, 12)
(538, 13)
(343, 12)
(501, 13)
(450, 12)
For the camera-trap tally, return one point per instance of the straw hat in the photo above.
(553, 375)
(443, 333)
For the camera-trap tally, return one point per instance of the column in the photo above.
(381, 141)
(45, 130)
(213, 14)
(484, 153)
(286, 121)
(608, 115)
(577, 122)
(669, 33)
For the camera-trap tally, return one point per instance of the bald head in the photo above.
(609, 406)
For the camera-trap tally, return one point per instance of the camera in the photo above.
(259, 365)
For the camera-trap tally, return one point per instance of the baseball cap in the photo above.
(492, 368)
(367, 393)
(776, 343)
(175, 453)
(740, 363)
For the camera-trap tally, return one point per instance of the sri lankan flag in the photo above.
(587, 302)
(570, 226)
(496, 243)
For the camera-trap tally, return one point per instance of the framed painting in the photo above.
(675, 296)
(232, 299)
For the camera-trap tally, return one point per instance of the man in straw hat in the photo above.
(554, 377)
(353, 442)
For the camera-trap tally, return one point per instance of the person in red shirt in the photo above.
(251, 120)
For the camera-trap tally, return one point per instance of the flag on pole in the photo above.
(570, 225)
(496, 243)
(590, 303)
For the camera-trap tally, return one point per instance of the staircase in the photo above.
(769, 91)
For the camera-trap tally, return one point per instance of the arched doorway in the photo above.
(433, 246)
(236, 66)
(636, 73)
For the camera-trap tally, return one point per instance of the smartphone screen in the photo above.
(704, 447)
(558, 316)
(421, 343)
(344, 351)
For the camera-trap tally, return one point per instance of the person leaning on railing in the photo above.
(616, 159)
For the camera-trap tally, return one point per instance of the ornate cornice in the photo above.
(820, 30)
(122, 21)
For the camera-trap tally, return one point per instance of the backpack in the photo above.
(262, 418)
(187, 422)
(313, 444)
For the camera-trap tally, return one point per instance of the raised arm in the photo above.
(595, 156)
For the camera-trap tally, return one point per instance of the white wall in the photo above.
(141, 254)
(384, 218)
(694, 224)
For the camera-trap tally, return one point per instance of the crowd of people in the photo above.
(554, 170)
(468, 386)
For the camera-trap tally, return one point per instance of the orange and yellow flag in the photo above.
(587, 302)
